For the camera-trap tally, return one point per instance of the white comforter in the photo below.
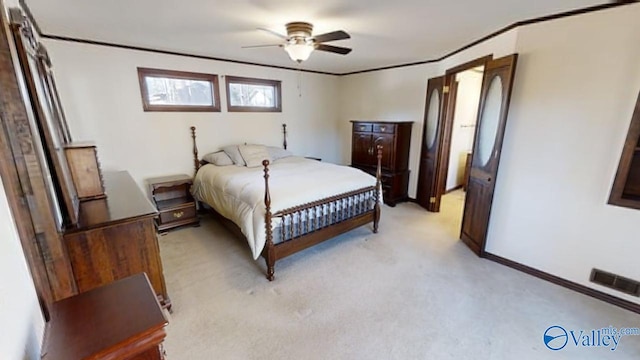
(237, 193)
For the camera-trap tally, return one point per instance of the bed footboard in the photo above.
(302, 226)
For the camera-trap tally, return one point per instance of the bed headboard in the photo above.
(196, 160)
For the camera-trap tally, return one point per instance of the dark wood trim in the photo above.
(414, 63)
(276, 84)
(481, 61)
(398, 66)
(174, 74)
(496, 33)
(177, 53)
(454, 189)
(627, 305)
(630, 151)
(449, 101)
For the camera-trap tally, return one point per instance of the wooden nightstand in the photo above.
(172, 197)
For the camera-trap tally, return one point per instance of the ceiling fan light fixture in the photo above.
(299, 52)
(299, 42)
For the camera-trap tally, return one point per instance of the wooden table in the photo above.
(121, 320)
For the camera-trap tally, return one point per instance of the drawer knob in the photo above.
(178, 214)
(383, 128)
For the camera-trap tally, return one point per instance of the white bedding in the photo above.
(237, 192)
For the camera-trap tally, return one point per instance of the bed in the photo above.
(289, 204)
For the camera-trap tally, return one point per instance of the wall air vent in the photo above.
(616, 282)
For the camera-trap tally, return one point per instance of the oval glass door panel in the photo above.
(490, 121)
(433, 113)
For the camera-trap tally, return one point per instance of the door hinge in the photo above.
(432, 200)
(445, 89)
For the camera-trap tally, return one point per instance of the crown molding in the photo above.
(517, 24)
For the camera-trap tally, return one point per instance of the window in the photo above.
(253, 95)
(167, 90)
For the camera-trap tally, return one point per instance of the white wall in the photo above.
(575, 88)
(399, 95)
(464, 120)
(392, 95)
(21, 322)
(101, 97)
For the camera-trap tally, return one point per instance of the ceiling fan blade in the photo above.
(281, 36)
(333, 49)
(332, 36)
(260, 46)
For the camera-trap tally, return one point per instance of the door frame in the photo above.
(448, 105)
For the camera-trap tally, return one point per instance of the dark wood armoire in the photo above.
(395, 138)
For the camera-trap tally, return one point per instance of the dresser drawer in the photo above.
(362, 127)
(179, 214)
(384, 128)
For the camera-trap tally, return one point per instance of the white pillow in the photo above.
(218, 158)
(253, 155)
(278, 153)
(234, 154)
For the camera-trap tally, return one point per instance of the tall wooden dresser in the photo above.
(395, 138)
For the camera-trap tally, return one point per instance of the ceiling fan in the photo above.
(299, 42)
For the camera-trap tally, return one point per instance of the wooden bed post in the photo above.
(284, 132)
(376, 207)
(269, 247)
(196, 161)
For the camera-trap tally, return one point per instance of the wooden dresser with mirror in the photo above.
(79, 228)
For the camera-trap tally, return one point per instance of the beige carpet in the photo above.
(413, 291)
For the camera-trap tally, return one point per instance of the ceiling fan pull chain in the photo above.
(299, 81)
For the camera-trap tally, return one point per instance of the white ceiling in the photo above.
(383, 32)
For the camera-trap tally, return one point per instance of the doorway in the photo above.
(465, 118)
(465, 93)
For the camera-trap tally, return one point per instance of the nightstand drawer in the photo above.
(178, 214)
(173, 200)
